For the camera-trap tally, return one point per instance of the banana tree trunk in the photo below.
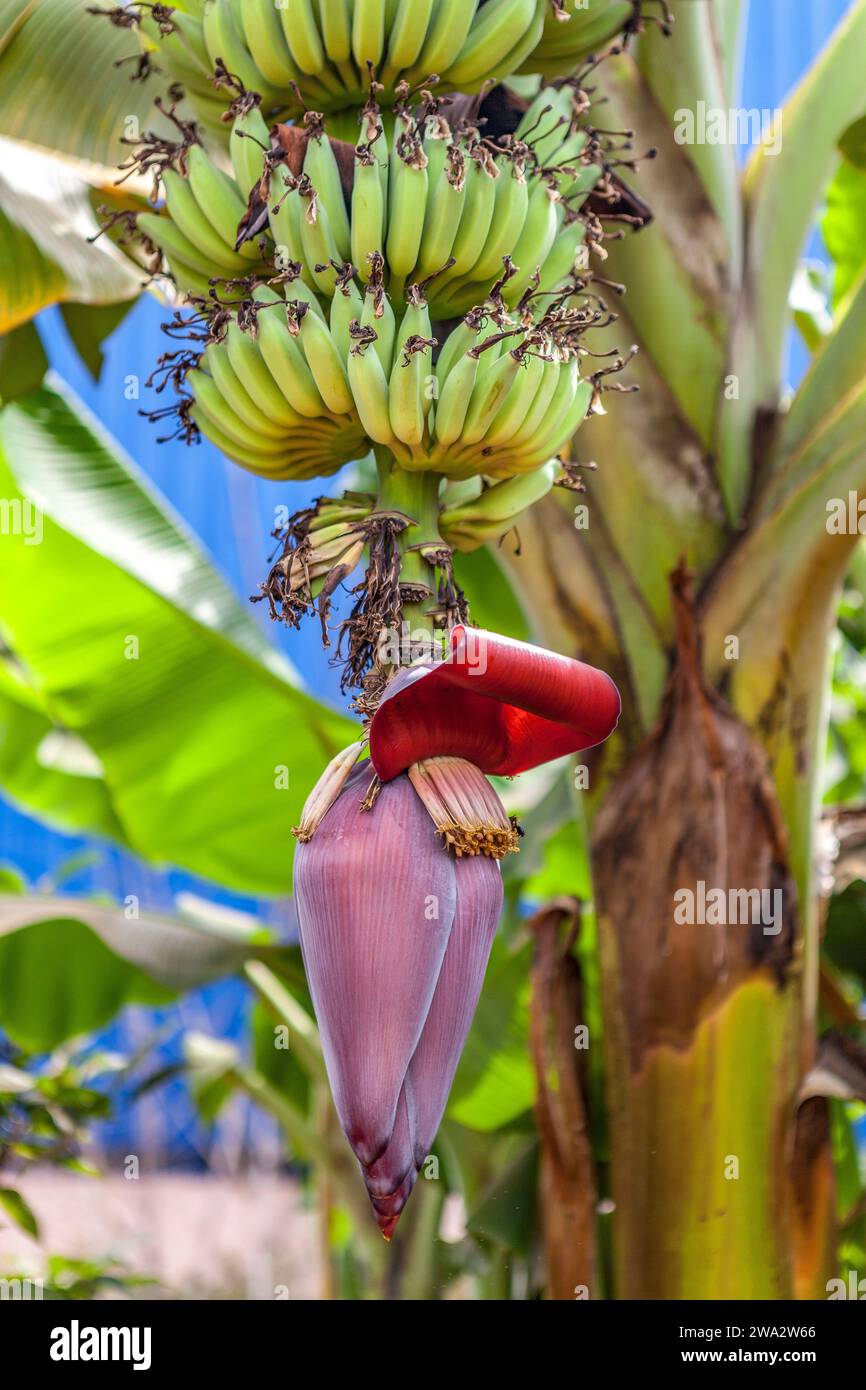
(701, 574)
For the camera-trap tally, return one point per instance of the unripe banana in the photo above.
(182, 255)
(453, 402)
(321, 168)
(284, 358)
(444, 39)
(368, 32)
(541, 444)
(514, 59)
(509, 215)
(284, 217)
(406, 36)
(317, 240)
(266, 41)
(188, 217)
(535, 242)
(446, 197)
(407, 201)
(247, 145)
(219, 198)
(224, 39)
(487, 517)
(512, 413)
(370, 390)
(216, 360)
(325, 364)
(303, 37)
(475, 219)
(346, 307)
(252, 372)
(378, 315)
(491, 386)
(369, 202)
(191, 35)
(335, 25)
(409, 401)
(500, 25)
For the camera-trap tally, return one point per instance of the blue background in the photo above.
(233, 514)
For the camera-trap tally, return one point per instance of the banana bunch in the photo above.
(197, 228)
(443, 206)
(573, 29)
(276, 398)
(472, 514)
(497, 404)
(322, 548)
(317, 54)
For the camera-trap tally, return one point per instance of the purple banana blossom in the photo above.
(396, 932)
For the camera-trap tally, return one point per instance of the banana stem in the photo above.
(417, 496)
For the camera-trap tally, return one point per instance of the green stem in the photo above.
(417, 496)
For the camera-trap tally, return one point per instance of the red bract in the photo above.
(505, 706)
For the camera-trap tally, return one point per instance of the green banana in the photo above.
(543, 220)
(346, 306)
(253, 373)
(248, 142)
(188, 217)
(368, 32)
(284, 358)
(318, 244)
(513, 411)
(370, 390)
(475, 218)
(210, 397)
(165, 234)
(408, 397)
(223, 39)
(320, 166)
(446, 35)
(453, 401)
(266, 41)
(303, 37)
(284, 214)
(509, 215)
(446, 197)
(219, 198)
(491, 386)
(500, 25)
(325, 363)
(369, 203)
(216, 359)
(407, 202)
(486, 517)
(406, 37)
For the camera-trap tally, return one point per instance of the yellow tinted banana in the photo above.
(500, 25)
(325, 363)
(283, 356)
(188, 217)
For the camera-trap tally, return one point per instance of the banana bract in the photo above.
(397, 887)
(504, 705)
(395, 931)
(302, 54)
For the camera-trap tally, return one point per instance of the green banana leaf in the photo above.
(46, 218)
(60, 88)
(136, 646)
(67, 966)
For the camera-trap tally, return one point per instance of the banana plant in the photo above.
(321, 272)
(707, 582)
